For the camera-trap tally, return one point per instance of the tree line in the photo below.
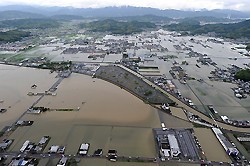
(234, 31)
(117, 27)
(13, 35)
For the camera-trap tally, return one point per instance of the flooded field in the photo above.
(15, 83)
(178, 112)
(98, 162)
(174, 122)
(222, 97)
(214, 93)
(108, 118)
(200, 93)
(100, 101)
(213, 150)
(89, 162)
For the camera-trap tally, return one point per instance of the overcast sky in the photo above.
(162, 4)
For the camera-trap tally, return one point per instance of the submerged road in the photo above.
(186, 107)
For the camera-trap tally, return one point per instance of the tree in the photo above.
(243, 75)
(248, 47)
(13, 35)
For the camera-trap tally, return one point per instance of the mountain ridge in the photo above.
(125, 11)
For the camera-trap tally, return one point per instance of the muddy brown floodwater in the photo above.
(211, 146)
(108, 117)
(15, 83)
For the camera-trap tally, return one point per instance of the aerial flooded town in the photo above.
(71, 94)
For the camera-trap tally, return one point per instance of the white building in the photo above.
(165, 150)
(174, 146)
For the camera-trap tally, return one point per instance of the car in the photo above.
(53, 149)
(238, 95)
(61, 149)
(190, 103)
(29, 148)
(8, 141)
(83, 150)
(112, 155)
(98, 152)
(112, 152)
(112, 158)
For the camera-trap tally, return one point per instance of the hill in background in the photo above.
(234, 30)
(124, 11)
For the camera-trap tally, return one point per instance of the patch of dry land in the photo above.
(108, 118)
(211, 146)
(121, 76)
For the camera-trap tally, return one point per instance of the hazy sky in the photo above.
(162, 4)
